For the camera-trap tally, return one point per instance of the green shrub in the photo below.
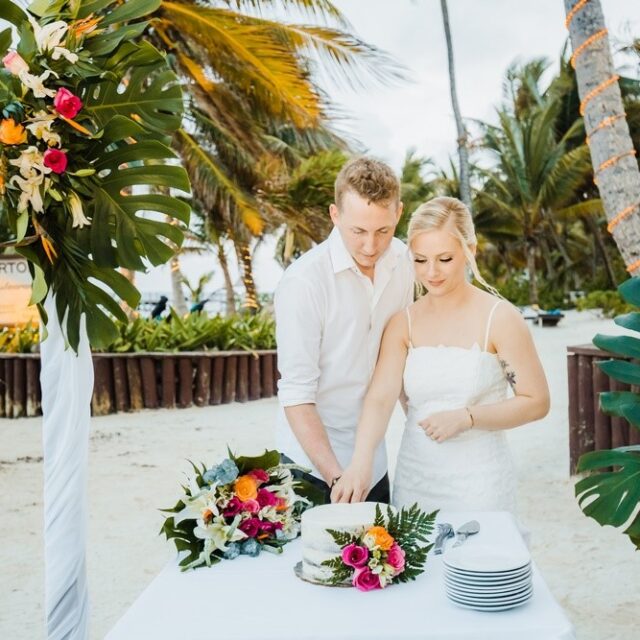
(610, 302)
(24, 339)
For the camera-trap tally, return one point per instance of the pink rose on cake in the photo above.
(365, 580)
(354, 555)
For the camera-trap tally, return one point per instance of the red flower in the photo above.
(266, 498)
(56, 160)
(251, 526)
(67, 104)
(233, 508)
(260, 475)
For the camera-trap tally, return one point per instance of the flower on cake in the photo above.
(393, 550)
(241, 506)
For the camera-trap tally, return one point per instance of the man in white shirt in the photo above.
(331, 308)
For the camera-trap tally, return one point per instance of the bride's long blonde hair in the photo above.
(435, 214)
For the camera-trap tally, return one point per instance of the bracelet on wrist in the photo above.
(470, 417)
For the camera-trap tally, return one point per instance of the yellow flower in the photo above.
(381, 538)
(12, 132)
(246, 488)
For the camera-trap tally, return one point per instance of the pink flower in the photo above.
(55, 160)
(233, 508)
(266, 498)
(251, 526)
(270, 527)
(355, 556)
(395, 557)
(260, 475)
(365, 580)
(14, 63)
(252, 506)
(67, 104)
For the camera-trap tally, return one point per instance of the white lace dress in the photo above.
(472, 471)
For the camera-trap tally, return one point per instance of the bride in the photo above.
(455, 352)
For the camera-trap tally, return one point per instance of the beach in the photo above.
(138, 461)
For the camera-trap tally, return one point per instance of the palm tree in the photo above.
(610, 144)
(252, 99)
(463, 136)
(536, 176)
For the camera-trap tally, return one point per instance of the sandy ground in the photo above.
(138, 460)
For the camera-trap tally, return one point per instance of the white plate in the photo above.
(525, 595)
(486, 558)
(502, 575)
(491, 598)
(489, 582)
(470, 588)
(502, 607)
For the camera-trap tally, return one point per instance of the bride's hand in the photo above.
(353, 485)
(446, 424)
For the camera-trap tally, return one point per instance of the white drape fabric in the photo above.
(67, 384)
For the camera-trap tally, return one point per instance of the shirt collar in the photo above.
(342, 260)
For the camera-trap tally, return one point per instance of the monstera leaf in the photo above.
(612, 497)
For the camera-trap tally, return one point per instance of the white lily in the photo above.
(40, 126)
(31, 194)
(36, 84)
(219, 532)
(202, 500)
(31, 164)
(49, 39)
(79, 219)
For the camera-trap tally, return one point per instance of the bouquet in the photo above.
(243, 506)
(386, 553)
(87, 109)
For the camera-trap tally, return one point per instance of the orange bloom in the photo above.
(246, 488)
(85, 26)
(282, 505)
(207, 516)
(75, 125)
(382, 537)
(12, 132)
(1, 185)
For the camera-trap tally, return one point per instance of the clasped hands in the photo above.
(355, 483)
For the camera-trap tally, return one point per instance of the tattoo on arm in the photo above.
(509, 374)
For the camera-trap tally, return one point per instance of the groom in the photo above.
(331, 308)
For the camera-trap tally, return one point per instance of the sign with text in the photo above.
(15, 292)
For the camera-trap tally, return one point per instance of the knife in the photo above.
(467, 529)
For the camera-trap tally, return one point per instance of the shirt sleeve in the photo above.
(298, 337)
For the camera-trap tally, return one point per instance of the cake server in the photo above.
(467, 529)
(445, 531)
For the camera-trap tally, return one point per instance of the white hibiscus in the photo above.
(36, 83)
(200, 501)
(31, 194)
(219, 533)
(31, 164)
(49, 39)
(40, 126)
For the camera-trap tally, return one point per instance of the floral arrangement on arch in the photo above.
(87, 110)
(393, 550)
(241, 506)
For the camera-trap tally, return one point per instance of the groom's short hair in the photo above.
(370, 179)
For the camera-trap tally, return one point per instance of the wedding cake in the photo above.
(318, 545)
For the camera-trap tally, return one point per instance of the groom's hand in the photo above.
(353, 485)
(446, 424)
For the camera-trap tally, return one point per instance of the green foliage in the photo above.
(20, 339)
(610, 303)
(611, 497)
(342, 538)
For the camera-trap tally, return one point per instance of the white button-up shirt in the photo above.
(329, 323)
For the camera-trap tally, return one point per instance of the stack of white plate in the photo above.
(487, 578)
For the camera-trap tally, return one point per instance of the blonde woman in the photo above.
(455, 352)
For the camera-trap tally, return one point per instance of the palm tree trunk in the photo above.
(177, 294)
(243, 253)
(619, 179)
(228, 283)
(534, 297)
(594, 227)
(463, 153)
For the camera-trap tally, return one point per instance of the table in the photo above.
(261, 598)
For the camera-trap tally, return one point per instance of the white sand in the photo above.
(138, 460)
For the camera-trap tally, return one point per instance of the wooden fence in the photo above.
(135, 381)
(589, 428)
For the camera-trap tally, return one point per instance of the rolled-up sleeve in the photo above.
(298, 336)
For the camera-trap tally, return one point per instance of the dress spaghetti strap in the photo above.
(486, 335)
(409, 323)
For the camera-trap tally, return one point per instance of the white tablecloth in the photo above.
(261, 598)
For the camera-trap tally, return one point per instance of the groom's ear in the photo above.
(400, 211)
(334, 213)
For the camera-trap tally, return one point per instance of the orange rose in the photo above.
(381, 537)
(246, 488)
(11, 132)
